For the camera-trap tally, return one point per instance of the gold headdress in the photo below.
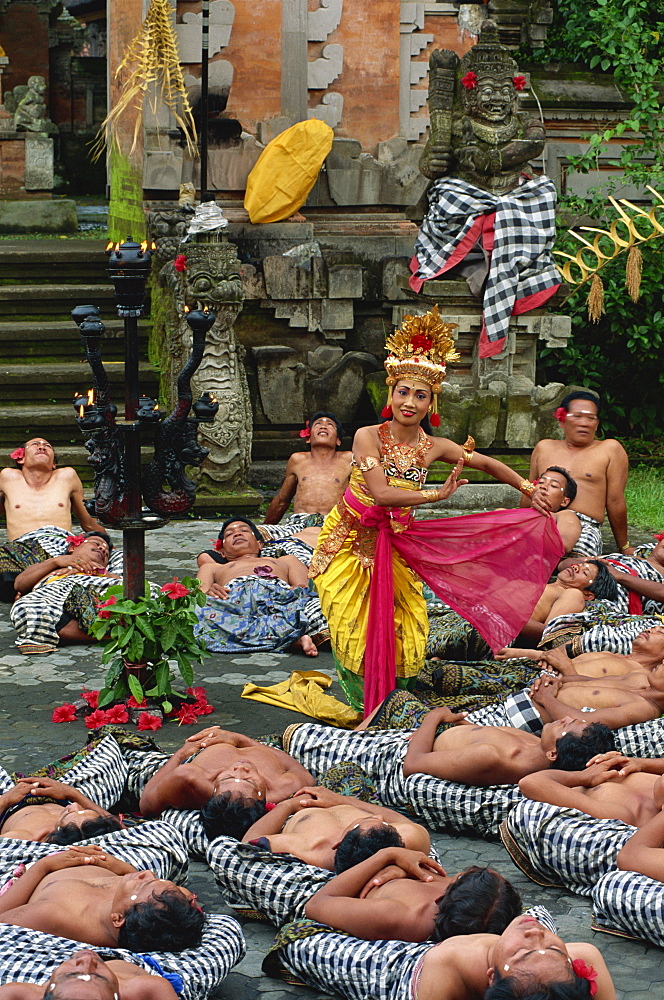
(421, 349)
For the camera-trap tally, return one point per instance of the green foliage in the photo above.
(645, 495)
(621, 37)
(144, 632)
(619, 357)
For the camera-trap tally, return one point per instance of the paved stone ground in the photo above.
(30, 686)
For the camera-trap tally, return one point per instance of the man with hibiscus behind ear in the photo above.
(599, 468)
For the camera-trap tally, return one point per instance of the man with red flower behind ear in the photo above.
(599, 468)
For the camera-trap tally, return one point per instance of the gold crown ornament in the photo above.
(421, 349)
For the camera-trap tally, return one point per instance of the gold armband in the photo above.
(468, 449)
(625, 546)
(430, 496)
(527, 488)
(368, 463)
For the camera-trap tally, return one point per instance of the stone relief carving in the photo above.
(212, 280)
(412, 70)
(222, 16)
(28, 106)
(321, 72)
(322, 22)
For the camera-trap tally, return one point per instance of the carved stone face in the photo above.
(492, 101)
(213, 280)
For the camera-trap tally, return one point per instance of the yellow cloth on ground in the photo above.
(286, 171)
(304, 692)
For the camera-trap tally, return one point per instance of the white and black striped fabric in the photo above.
(35, 616)
(630, 903)
(524, 232)
(252, 878)
(101, 774)
(31, 956)
(589, 543)
(560, 846)
(153, 846)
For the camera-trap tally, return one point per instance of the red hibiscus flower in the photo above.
(420, 342)
(186, 716)
(132, 703)
(147, 721)
(306, 431)
(64, 713)
(17, 454)
(469, 81)
(217, 544)
(116, 714)
(203, 708)
(175, 589)
(103, 606)
(584, 971)
(519, 82)
(560, 414)
(180, 262)
(75, 540)
(92, 698)
(199, 693)
(658, 538)
(95, 719)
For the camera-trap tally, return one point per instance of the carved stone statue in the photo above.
(488, 220)
(211, 279)
(476, 132)
(28, 106)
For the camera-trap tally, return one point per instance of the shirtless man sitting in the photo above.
(495, 755)
(314, 480)
(53, 822)
(104, 980)
(36, 495)
(221, 770)
(241, 558)
(599, 468)
(334, 831)
(610, 786)
(556, 488)
(88, 895)
(404, 895)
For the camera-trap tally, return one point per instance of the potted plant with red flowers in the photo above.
(141, 636)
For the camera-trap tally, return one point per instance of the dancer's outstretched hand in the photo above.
(452, 483)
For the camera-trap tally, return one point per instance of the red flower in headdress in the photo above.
(420, 342)
(469, 81)
(519, 82)
(584, 971)
(217, 544)
(180, 262)
(64, 713)
(75, 540)
(306, 431)
(658, 538)
(17, 454)
(560, 414)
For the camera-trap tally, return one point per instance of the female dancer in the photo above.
(372, 555)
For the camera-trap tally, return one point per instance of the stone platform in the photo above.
(30, 687)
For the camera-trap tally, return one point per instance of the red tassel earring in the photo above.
(386, 412)
(434, 420)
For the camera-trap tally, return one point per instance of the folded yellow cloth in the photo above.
(304, 692)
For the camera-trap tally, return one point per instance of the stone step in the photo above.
(56, 383)
(25, 301)
(60, 340)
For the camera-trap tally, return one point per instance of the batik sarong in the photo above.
(631, 904)
(598, 629)
(467, 686)
(258, 615)
(516, 229)
(451, 637)
(29, 956)
(589, 543)
(554, 845)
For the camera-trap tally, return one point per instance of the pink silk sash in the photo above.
(491, 568)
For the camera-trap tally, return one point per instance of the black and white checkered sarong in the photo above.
(276, 885)
(35, 616)
(524, 231)
(563, 846)
(630, 903)
(31, 956)
(589, 543)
